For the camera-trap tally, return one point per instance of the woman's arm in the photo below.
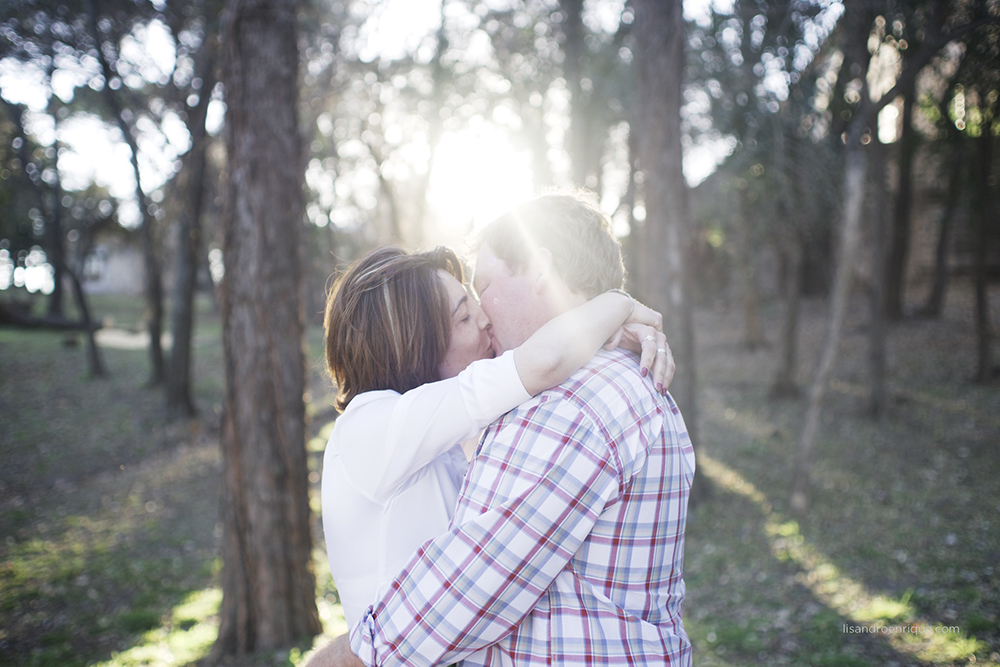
(426, 421)
(567, 342)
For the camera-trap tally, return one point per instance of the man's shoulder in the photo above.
(608, 386)
(608, 373)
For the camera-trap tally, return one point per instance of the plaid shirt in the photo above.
(568, 543)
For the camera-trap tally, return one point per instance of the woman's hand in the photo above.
(643, 334)
(642, 314)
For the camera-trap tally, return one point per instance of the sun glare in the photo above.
(477, 176)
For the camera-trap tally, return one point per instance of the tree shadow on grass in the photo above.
(876, 545)
(747, 604)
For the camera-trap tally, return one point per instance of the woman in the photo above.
(413, 359)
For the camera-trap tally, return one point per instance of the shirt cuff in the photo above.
(361, 640)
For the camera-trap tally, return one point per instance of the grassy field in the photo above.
(109, 514)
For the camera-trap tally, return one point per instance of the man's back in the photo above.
(614, 460)
(568, 542)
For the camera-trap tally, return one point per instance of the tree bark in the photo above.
(879, 277)
(935, 300)
(659, 36)
(268, 586)
(984, 355)
(151, 260)
(179, 398)
(895, 266)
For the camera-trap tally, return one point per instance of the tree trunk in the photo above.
(879, 277)
(753, 334)
(574, 48)
(895, 280)
(53, 225)
(784, 385)
(854, 190)
(659, 41)
(179, 399)
(857, 19)
(789, 243)
(935, 300)
(268, 588)
(151, 261)
(54, 240)
(94, 361)
(984, 356)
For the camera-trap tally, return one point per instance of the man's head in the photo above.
(541, 259)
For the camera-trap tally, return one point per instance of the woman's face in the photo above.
(471, 334)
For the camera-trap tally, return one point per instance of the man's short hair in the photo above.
(585, 252)
(388, 322)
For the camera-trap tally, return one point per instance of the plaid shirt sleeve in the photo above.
(554, 472)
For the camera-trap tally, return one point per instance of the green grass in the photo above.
(108, 511)
(901, 530)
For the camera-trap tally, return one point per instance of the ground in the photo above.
(109, 514)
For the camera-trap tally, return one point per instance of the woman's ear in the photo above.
(541, 267)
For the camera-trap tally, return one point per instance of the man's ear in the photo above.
(541, 267)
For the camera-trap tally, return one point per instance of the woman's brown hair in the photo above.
(388, 321)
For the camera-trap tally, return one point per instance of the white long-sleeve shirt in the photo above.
(393, 469)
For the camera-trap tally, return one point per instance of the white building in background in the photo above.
(114, 267)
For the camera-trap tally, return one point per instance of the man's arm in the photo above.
(470, 587)
(335, 654)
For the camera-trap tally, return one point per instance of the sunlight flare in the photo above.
(477, 176)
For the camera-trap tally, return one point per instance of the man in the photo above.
(567, 545)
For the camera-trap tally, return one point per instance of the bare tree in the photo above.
(956, 170)
(858, 19)
(268, 588)
(789, 244)
(151, 259)
(179, 400)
